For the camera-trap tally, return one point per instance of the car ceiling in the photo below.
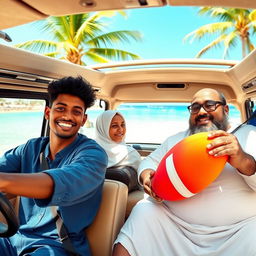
(114, 85)
(17, 12)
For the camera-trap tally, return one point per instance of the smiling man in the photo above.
(209, 111)
(218, 221)
(64, 171)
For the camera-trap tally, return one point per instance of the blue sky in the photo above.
(163, 31)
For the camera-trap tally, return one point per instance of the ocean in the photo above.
(145, 123)
(18, 127)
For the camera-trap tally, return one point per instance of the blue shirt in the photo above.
(78, 172)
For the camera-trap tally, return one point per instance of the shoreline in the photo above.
(2, 111)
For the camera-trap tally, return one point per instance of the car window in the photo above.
(21, 119)
(92, 114)
(154, 122)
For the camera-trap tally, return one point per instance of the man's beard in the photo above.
(215, 125)
(63, 136)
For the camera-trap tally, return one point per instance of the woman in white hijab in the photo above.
(123, 160)
(110, 134)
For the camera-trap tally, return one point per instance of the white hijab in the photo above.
(118, 153)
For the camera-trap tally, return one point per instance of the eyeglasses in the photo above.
(209, 106)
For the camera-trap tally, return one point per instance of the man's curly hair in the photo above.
(76, 86)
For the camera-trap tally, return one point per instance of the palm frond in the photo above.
(52, 26)
(68, 46)
(96, 57)
(89, 28)
(76, 21)
(229, 40)
(224, 14)
(108, 14)
(115, 37)
(252, 15)
(214, 12)
(114, 54)
(52, 54)
(38, 45)
(218, 27)
(211, 45)
(66, 27)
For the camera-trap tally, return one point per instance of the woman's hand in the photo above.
(145, 179)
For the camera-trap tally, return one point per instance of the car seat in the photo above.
(108, 221)
(110, 218)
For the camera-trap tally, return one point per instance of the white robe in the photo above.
(218, 221)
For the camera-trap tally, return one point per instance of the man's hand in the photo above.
(145, 179)
(227, 144)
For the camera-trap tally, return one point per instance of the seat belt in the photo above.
(62, 231)
(250, 118)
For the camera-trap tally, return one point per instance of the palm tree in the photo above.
(76, 37)
(236, 24)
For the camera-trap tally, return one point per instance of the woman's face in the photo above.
(117, 129)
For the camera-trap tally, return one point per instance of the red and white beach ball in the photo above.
(187, 169)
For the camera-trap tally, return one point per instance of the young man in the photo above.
(218, 221)
(72, 181)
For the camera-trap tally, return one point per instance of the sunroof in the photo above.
(179, 63)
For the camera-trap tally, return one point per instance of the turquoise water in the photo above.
(155, 122)
(156, 113)
(18, 127)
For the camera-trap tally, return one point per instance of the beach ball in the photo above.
(186, 169)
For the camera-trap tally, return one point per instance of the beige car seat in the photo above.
(110, 218)
(108, 221)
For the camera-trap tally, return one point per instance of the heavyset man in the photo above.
(220, 220)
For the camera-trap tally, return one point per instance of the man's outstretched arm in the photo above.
(36, 185)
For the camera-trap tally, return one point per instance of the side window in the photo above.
(92, 114)
(234, 115)
(21, 119)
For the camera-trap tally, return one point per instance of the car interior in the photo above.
(26, 75)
